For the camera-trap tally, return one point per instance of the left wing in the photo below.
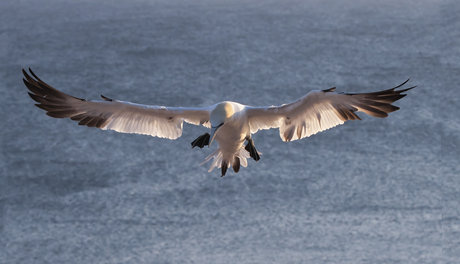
(125, 117)
(321, 110)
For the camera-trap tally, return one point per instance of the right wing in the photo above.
(125, 117)
(321, 110)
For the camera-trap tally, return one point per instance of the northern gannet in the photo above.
(231, 124)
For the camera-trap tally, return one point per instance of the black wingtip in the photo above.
(401, 84)
(26, 75)
(329, 90)
(33, 74)
(106, 98)
(407, 89)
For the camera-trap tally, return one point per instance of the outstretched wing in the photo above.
(125, 117)
(321, 110)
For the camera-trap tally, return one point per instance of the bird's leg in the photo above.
(201, 141)
(252, 149)
(236, 164)
(224, 168)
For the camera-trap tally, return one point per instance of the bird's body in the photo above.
(231, 136)
(231, 124)
(234, 132)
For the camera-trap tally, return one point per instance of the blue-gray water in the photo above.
(371, 191)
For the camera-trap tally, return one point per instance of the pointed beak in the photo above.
(213, 134)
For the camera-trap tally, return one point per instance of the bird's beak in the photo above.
(213, 134)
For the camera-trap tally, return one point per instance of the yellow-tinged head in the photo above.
(219, 116)
(221, 113)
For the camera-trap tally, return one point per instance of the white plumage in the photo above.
(231, 123)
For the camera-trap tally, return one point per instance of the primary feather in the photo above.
(321, 110)
(125, 117)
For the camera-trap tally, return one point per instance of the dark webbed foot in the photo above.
(224, 168)
(201, 141)
(252, 150)
(236, 165)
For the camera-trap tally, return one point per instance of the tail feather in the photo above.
(232, 160)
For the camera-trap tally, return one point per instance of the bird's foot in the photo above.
(201, 141)
(224, 168)
(252, 149)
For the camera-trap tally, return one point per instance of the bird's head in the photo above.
(219, 116)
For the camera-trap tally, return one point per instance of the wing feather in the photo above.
(125, 117)
(321, 110)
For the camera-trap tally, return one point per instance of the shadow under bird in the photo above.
(231, 124)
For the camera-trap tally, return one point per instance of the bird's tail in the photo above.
(224, 160)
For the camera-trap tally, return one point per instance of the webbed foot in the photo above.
(252, 150)
(201, 141)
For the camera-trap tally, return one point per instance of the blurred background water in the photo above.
(371, 191)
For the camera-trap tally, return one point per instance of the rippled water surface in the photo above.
(370, 191)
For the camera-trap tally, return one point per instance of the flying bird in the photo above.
(231, 124)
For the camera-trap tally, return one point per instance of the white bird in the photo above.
(231, 124)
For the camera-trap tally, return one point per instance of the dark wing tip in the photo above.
(407, 89)
(33, 74)
(329, 90)
(402, 84)
(106, 98)
(58, 104)
(404, 90)
(379, 104)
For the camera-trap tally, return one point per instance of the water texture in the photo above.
(370, 191)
